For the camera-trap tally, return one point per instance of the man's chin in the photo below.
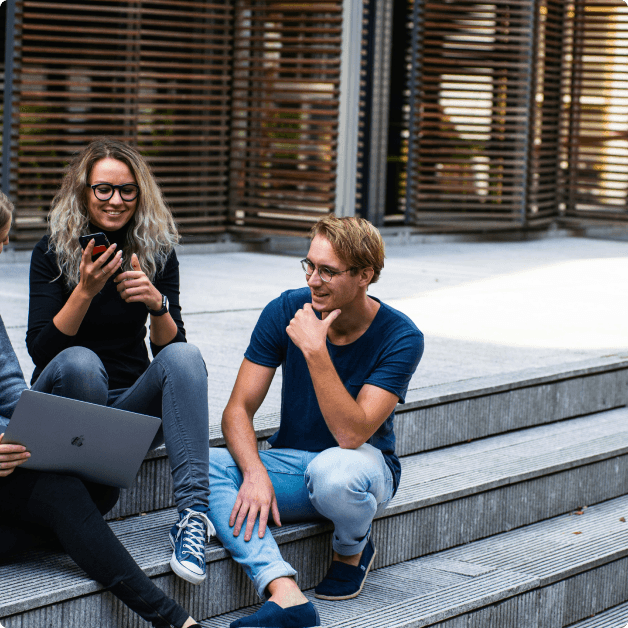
(319, 305)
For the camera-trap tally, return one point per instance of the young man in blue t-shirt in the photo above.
(346, 360)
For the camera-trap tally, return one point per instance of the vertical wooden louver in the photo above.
(543, 190)
(155, 74)
(471, 90)
(595, 132)
(286, 94)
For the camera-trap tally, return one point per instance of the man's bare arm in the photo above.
(351, 421)
(256, 496)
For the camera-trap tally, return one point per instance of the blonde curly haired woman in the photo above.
(36, 504)
(88, 315)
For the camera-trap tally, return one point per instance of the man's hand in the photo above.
(11, 456)
(135, 287)
(255, 497)
(308, 332)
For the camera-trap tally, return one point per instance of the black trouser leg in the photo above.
(63, 504)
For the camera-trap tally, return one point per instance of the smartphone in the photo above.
(101, 243)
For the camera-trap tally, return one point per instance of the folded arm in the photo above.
(351, 421)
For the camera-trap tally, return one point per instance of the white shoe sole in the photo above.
(187, 575)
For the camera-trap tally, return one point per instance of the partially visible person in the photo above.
(36, 507)
(347, 360)
(88, 315)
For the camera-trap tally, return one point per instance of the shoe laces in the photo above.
(194, 527)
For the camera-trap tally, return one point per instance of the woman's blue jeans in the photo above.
(173, 388)
(349, 487)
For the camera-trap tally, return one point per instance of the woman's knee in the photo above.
(79, 374)
(183, 356)
(78, 360)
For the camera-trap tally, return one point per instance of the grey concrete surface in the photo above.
(545, 575)
(514, 480)
(485, 307)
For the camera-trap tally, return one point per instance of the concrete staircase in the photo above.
(511, 512)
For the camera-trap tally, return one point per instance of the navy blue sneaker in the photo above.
(342, 581)
(271, 614)
(187, 538)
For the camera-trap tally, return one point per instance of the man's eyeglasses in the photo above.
(326, 274)
(104, 191)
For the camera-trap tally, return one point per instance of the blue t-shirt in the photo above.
(386, 355)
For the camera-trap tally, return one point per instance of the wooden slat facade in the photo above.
(471, 89)
(542, 194)
(286, 97)
(595, 124)
(516, 110)
(154, 73)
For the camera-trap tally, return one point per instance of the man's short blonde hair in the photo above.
(354, 240)
(6, 210)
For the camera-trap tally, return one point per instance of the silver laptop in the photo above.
(93, 442)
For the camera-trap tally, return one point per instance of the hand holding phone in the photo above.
(99, 262)
(101, 243)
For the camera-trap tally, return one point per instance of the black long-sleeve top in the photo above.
(113, 329)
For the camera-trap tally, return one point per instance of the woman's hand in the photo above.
(94, 273)
(135, 287)
(11, 456)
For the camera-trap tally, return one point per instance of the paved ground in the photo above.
(484, 307)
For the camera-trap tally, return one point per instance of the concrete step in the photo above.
(447, 498)
(616, 617)
(439, 416)
(546, 575)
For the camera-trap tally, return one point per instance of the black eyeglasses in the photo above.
(326, 274)
(104, 191)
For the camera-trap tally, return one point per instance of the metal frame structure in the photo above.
(375, 73)
(8, 97)
(349, 108)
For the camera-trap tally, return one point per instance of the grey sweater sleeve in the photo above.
(11, 378)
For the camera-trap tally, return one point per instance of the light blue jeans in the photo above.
(173, 388)
(347, 486)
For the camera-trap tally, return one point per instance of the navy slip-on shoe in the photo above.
(271, 615)
(342, 581)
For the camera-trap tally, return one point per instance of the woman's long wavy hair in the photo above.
(6, 210)
(152, 233)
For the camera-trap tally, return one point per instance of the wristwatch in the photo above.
(164, 307)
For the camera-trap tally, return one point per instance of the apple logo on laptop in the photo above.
(77, 441)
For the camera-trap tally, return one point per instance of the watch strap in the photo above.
(162, 310)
